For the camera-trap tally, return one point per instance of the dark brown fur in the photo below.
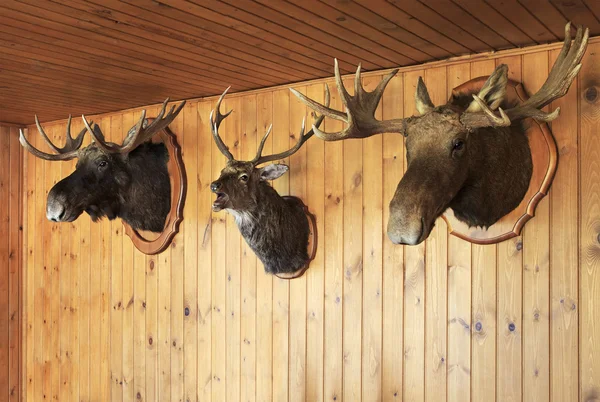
(134, 187)
(275, 227)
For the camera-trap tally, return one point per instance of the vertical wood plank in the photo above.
(564, 308)
(536, 274)
(459, 289)
(64, 296)
(589, 228)
(297, 174)
(281, 289)
(315, 172)
(4, 267)
(264, 282)
(15, 278)
(372, 207)
(218, 286)
(510, 299)
(483, 302)
(105, 289)
(54, 260)
(128, 299)
(353, 266)
(333, 249)
(248, 265)
(414, 290)
(436, 277)
(232, 130)
(165, 313)
(188, 140)
(393, 255)
(116, 287)
(177, 313)
(205, 174)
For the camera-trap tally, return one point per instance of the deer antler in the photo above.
(302, 138)
(69, 151)
(140, 132)
(360, 110)
(216, 123)
(564, 71)
(258, 159)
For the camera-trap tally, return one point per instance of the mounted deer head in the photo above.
(275, 227)
(470, 154)
(129, 181)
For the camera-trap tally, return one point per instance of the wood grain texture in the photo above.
(246, 44)
(368, 321)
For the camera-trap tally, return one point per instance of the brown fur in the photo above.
(275, 227)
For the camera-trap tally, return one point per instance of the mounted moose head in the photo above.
(275, 227)
(130, 181)
(463, 155)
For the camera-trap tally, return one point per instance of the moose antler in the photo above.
(360, 110)
(564, 71)
(259, 158)
(68, 152)
(140, 133)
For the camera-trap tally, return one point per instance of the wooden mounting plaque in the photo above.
(311, 246)
(177, 176)
(545, 159)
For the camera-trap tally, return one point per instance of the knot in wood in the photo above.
(511, 327)
(591, 94)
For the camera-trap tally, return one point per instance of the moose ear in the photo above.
(273, 171)
(493, 91)
(422, 100)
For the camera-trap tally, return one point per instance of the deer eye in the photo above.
(243, 178)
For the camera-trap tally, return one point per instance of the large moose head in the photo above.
(129, 181)
(470, 154)
(275, 227)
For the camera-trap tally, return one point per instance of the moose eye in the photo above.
(244, 177)
(458, 145)
(102, 164)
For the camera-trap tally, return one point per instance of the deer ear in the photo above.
(493, 91)
(273, 171)
(423, 102)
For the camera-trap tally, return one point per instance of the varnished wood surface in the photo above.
(96, 56)
(446, 320)
(11, 174)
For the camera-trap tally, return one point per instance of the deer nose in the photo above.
(215, 186)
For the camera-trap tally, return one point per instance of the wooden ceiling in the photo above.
(74, 56)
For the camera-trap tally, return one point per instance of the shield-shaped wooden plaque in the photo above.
(545, 159)
(154, 243)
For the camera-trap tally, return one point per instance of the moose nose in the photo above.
(55, 212)
(215, 186)
(409, 239)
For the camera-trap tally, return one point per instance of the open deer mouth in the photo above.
(220, 202)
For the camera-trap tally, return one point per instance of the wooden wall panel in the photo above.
(446, 320)
(11, 257)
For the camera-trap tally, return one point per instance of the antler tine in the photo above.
(360, 110)
(99, 141)
(143, 134)
(69, 151)
(216, 122)
(562, 74)
(487, 119)
(301, 140)
(262, 145)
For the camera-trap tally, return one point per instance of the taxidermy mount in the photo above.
(276, 228)
(470, 154)
(129, 181)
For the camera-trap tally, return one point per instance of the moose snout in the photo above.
(409, 235)
(215, 186)
(55, 211)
